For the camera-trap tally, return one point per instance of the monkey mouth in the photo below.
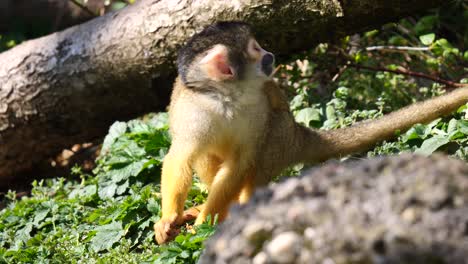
(267, 70)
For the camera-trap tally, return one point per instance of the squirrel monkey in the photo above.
(231, 124)
(217, 119)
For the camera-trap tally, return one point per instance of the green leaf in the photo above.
(24, 234)
(425, 24)
(342, 92)
(371, 33)
(118, 5)
(86, 191)
(427, 39)
(418, 131)
(462, 108)
(432, 124)
(153, 206)
(185, 254)
(452, 125)
(40, 215)
(151, 163)
(397, 40)
(106, 236)
(160, 121)
(132, 169)
(456, 135)
(359, 57)
(297, 101)
(462, 126)
(125, 151)
(107, 190)
(115, 131)
(432, 144)
(444, 43)
(122, 188)
(441, 47)
(306, 115)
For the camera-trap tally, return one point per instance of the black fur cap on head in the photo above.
(233, 34)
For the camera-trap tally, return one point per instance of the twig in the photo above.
(276, 70)
(400, 48)
(83, 7)
(59, 16)
(339, 73)
(410, 73)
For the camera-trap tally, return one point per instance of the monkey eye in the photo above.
(254, 50)
(256, 47)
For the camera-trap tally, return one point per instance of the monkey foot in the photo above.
(190, 214)
(166, 230)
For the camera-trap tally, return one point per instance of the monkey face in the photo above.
(223, 63)
(225, 52)
(263, 60)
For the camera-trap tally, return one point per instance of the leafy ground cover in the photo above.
(106, 216)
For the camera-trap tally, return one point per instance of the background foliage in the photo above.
(106, 216)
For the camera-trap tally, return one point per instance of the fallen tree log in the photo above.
(68, 87)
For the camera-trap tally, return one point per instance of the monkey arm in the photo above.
(176, 179)
(276, 97)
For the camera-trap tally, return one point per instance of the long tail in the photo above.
(322, 145)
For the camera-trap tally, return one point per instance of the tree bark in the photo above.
(68, 87)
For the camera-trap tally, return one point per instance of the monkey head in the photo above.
(224, 52)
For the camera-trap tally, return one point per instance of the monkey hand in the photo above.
(166, 229)
(191, 214)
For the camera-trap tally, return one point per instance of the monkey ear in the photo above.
(216, 64)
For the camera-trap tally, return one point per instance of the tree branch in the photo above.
(83, 7)
(409, 73)
(397, 48)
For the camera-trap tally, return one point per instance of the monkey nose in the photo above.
(267, 63)
(268, 59)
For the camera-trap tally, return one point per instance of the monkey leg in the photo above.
(248, 188)
(176, 180)
(226, 185)
(206, 168)
(193, 212)
(256, 178)
(244, 195)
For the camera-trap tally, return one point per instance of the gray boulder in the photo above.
(403, 209)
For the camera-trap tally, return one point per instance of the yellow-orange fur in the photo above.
(217, 136)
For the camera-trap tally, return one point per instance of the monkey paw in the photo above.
(190, 214)
(166, 230)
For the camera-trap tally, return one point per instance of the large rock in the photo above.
(405, 209)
